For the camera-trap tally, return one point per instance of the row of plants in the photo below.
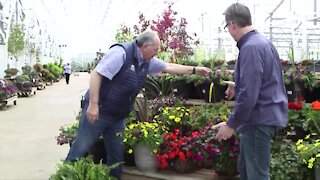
(181, 137)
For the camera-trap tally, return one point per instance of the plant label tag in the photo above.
(132, 68)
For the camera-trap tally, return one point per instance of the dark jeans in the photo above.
(112, 131)
(254, 159)
(67, 77)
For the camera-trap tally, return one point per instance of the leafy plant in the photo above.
(11, 71)
(83, 169)
(67, 134)
(157, 86)
(309, 150)
(285, 163)
(123, 34)
(173, 34)
(143, 109)
(16, 42)
(146, 133)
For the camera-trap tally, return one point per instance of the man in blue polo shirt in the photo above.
(114, 85)
(261, 104)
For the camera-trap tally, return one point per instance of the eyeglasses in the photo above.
(226, 25)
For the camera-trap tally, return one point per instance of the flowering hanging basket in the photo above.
(185, 166)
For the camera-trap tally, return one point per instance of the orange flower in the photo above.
(316, 105)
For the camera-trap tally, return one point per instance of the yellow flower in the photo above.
(299, 142)
(318, 155)
(125, 140)
(299, 147)
(224, 117)
(155, 151)
(131, 126)
(130, 151)
(310, 164)
(178, 108)
(171, 117)
(307, 137)
(177, 119)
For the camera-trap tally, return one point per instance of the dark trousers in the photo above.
(88, 134)
(254, 159)
(67, 77)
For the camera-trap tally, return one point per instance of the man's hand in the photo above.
(203, 71)
(230, 90)
(93, 112)
(225, 132)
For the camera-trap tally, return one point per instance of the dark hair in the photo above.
(146, 37)
(239, 14)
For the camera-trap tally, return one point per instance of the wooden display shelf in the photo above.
(41, 86)
(28, 93)
(132, 173)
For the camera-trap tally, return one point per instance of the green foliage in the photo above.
(22, 78)
(55, 69)
(285, 163)
(11, 71)
(83, 169)
(37, 67)
(199, 54)
(26, 70)
(146, 133)
(16, 42)
(123, 34)
(158, 86)
(309, 150)
(38, 53)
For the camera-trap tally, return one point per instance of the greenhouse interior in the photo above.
(159, 89)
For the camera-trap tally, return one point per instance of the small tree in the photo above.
(16, 42)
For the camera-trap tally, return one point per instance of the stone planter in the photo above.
(144, 159)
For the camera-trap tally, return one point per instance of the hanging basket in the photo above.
(186, 166)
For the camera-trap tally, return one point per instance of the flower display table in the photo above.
(4, 102)
(28, 93)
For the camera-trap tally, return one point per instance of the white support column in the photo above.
(6, 16)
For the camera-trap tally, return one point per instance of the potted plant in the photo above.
(84, 168)
(309, 150)
(144, 139)
(175, 152)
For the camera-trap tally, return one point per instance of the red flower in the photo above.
(174, 145)
(188, 154)
(172, 155)
(295, 106)
(182, 157)
(300, 98)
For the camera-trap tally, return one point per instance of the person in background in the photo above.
(67, 72)
(261, 105)
(115, 82)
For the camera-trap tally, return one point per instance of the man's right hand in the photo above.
(93, 112)
(230, 90)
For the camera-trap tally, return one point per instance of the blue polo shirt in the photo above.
(115, 57)
(260, 96)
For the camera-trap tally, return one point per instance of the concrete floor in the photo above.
(28, 149)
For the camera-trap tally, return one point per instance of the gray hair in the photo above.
(146, 37)
(239, 14)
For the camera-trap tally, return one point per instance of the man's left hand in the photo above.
(225, 132)
(203, 71)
